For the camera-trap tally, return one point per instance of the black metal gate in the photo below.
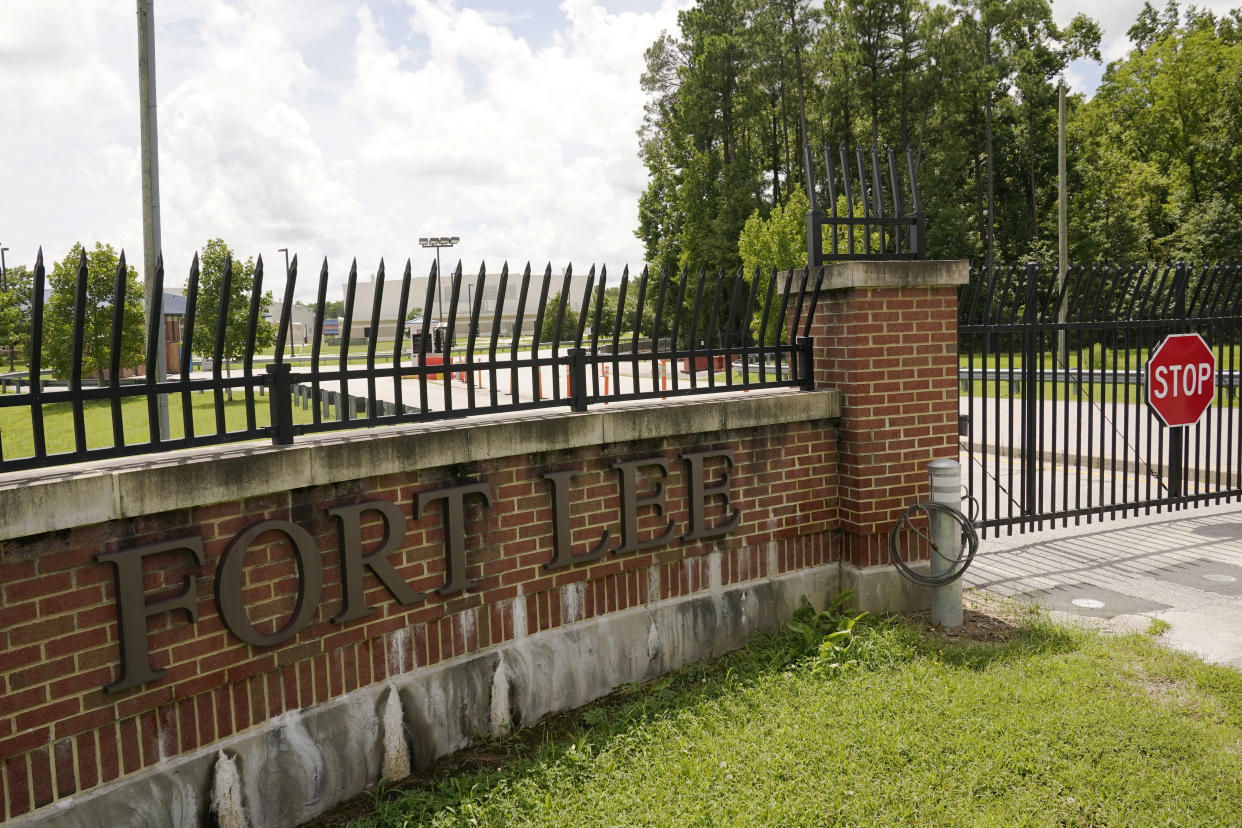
(1054, 424)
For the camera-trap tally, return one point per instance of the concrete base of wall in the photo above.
(883, 589)
(305, 762)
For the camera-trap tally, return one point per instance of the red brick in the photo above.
(206, 718)
(18, 781)
(88, 770)
(187, 725)
(222, 701)
(25, 741)
(41, 776)
(62, 756)
(36, 586)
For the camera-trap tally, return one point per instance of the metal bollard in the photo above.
(946, 489)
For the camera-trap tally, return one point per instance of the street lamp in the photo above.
(4, 271)
(293, 350)
(437, 242)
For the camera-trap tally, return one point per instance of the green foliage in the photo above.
(101, 269)
(1160, 142)
(334, 309)
(15, 304)
(1155, 158)
(777, 243)
(215, 257)
(569, 323)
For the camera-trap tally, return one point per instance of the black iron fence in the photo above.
(686, 333)
(1053, 413)
(873, 211)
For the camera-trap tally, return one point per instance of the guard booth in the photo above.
(436, 334)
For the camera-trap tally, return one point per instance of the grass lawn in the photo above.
(17, 436)
(1025, 723)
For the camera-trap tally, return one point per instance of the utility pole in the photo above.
(1062, 225)
(151, 194)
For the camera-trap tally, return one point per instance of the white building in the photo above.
(364, 297)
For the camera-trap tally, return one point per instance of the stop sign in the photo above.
(1181, 379)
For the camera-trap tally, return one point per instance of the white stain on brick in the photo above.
(399, 651)
(773, 560)
(715, 576)
(465, 627)
(572, 596)
(653, 583)
(517, 609)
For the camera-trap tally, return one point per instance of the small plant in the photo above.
(1158, 627)
(824, 634)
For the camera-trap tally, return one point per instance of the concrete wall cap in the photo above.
(893, 274)
(38, 501)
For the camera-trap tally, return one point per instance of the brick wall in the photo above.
(892, 352)
(817, 477)
(63, 734)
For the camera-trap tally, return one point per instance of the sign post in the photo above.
(1181, 383)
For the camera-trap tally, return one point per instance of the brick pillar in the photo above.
(886, 336)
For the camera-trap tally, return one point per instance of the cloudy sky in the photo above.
(344, 129)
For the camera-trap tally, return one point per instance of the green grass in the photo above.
(881, 725)
(1097, 358)
(17, 435)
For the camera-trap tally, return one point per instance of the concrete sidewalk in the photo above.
(1183, 567)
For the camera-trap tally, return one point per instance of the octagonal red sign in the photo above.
(1181, 379)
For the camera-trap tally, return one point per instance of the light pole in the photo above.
(4, 286)
(293, 351)
(151, 192)
(437, 242)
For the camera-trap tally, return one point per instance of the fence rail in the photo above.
(680, 335)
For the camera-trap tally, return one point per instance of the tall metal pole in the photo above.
(4, 271)
(437, 242)
(1062, 225)
(439, 285)
(151, 245)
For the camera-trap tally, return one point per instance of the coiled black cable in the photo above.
(957, 564)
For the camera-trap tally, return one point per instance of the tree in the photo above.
(215, 259)
(777, 243)
(15, 309)
(102, 265)
(1160, 143)
(569, 325)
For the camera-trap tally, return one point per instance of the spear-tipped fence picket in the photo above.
(873, 212)
(704, 333)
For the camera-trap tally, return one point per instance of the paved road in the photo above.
(1182, 567)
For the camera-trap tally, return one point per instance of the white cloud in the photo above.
(329, 129)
